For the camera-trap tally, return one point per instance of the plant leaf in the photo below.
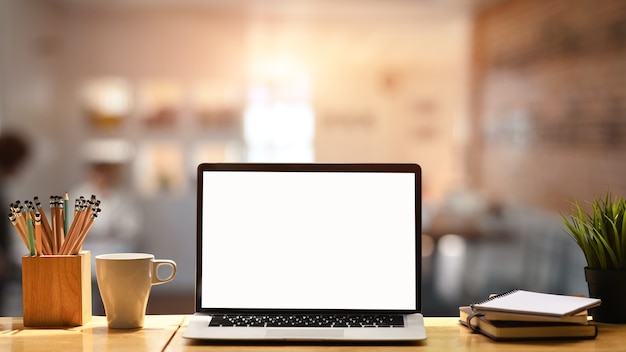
(601, 232)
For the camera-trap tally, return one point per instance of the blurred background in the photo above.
(513, 108)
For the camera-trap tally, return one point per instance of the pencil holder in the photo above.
(56, 290)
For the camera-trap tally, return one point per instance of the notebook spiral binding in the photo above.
(494, 297)
(475, 329)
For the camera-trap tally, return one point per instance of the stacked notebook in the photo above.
(527, 315)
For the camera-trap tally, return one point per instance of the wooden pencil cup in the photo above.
(57, 290)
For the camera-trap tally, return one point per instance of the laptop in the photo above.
(317, 252)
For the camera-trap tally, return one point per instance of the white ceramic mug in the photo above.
(124, 281)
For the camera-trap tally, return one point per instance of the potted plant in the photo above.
(601, 235)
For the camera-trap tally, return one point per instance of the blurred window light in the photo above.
(451, 245)
(107, 100)
(278, 121)
(450, 267)
(278, 129)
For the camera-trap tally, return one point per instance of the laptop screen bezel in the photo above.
(414, 169)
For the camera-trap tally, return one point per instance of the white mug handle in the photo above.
(156, 280)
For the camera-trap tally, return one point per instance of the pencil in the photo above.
(94, 208)
(55, 228)
(70, 237)
(76, 226)
(30, 209)
(45, 226)
(66, 213)
(14, 210)
(20, 231)
(19, 218)
(40, 244)
(60, 221)
(31, 236)
(83, 234)
(77, 203)
(61, 236)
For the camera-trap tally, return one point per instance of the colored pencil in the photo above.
(31, 236)
(66, 213)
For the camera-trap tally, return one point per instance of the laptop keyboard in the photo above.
(328, 321)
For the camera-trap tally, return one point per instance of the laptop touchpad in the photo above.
(304, 333)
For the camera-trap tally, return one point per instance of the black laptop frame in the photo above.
(309, 167)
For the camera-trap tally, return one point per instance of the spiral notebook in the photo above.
(524, 330)
(529, 302)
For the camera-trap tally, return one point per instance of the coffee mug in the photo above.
(124, 281)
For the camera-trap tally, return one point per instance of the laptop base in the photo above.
(199, 329)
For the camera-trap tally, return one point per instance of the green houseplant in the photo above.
(600, 233)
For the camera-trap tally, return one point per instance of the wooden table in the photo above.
(164, 333)
(93, 336)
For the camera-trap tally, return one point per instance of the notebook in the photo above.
(322, 252)
(501, 330)
(528, 302)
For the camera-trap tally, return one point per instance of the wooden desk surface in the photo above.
(164, 333)
(444, 335)
(93, 336)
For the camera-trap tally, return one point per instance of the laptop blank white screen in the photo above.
(308, 240)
